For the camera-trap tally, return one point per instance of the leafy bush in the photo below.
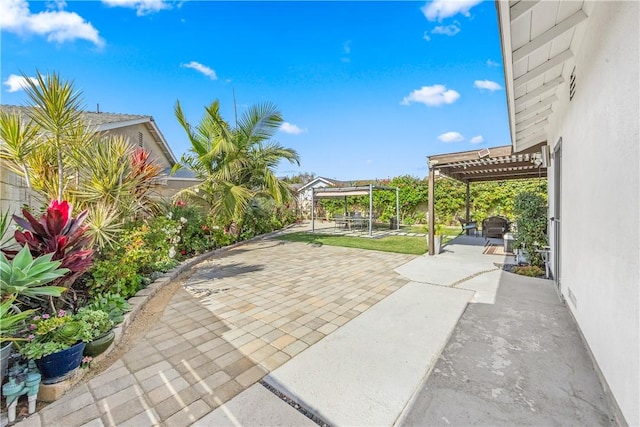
(111, 303)
(115, 274)
(529, 270)
(194, 232)
(530, 212)
(57, 233)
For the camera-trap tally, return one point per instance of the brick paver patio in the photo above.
(241, 314)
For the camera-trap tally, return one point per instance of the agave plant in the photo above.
(59, 234)
(27, 276)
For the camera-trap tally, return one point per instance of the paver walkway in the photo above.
(241, 314)
(252, 309)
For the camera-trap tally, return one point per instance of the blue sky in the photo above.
(367, 89)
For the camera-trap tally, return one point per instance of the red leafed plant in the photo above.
(59, 233)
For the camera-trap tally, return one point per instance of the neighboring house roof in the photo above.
(109, 121)
(327, 181)
(182, 174)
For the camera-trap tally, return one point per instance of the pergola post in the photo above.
(431, 209)
(467, 200)
(370, 209)
(397, 208)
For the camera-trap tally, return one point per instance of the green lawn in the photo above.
(397, 244)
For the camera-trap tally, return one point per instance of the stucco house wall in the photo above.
(139, 136)
(599, 189)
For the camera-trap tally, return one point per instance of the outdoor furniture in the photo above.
(468, 227)
(358, 221)
(340, 221)
(495, 226)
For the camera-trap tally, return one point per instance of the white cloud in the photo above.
(491, 63)
(346, 50)
(346, 47)
(478, 139)
(202, 69)
(487, 84)
(426, 36)
(15, 83)
(451, 137)
(431, 95)
(57, 25)
(142, 7)
(447, 30)
(287, 127)
(440, 9)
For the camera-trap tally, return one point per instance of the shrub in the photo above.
(529, 270)
(116, 275)
(531, 218)
(58, 233)
(111, 303)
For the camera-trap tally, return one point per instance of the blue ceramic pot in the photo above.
(59, 366)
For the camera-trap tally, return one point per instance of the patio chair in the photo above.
(495, 226)
(340, 221)
(359, 221)
(468, 227)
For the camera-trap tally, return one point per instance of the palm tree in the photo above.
(234, 164)
(61, 156)
(57, 108)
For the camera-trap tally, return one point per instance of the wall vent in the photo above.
(139, 139)
(572, 84)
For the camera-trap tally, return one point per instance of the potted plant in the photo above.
(28, 277)
(97, 330)
(437, 238)
(54, 343)
(12, 328)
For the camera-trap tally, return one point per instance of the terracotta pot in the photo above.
(100, 344)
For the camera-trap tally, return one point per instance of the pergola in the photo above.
(488, 164)
(359, 190)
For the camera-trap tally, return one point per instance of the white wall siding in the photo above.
(600, 229)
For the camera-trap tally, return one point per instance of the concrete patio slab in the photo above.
(365, 372)
(255, 406)
(484, 285)
(460, 260)
(520, 361)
